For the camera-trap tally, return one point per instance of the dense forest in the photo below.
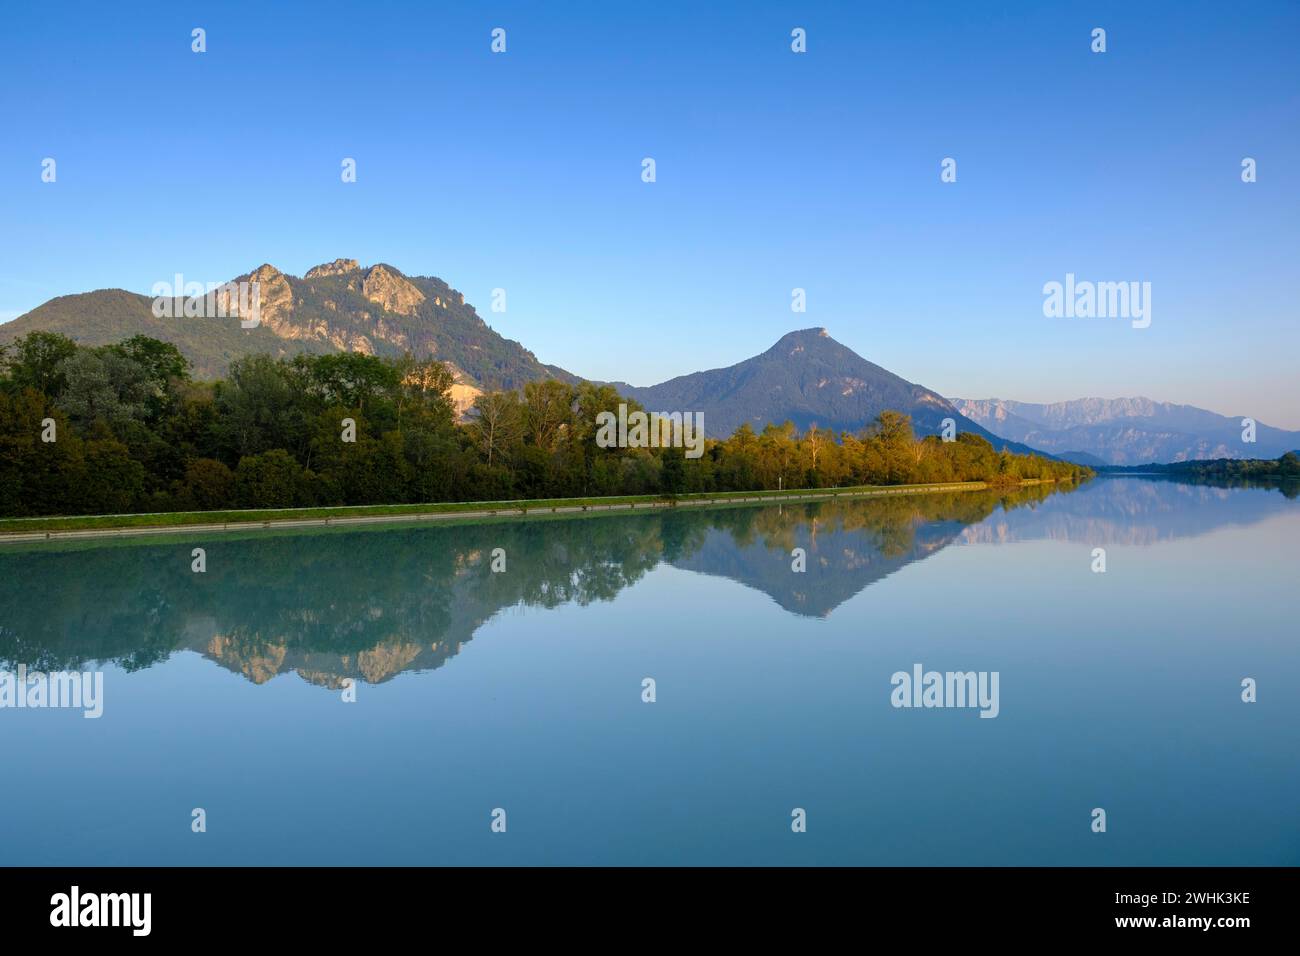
(1228, 469)
(125, 428)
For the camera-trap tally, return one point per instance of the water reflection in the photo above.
(1139, 511)
(370, 604)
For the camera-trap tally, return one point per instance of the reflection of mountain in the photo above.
(847, 547)
(370, 604)
(328, 606)
(1128, 511)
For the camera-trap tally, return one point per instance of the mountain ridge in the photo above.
(1126, 431)
(805, 377)
(336, 306)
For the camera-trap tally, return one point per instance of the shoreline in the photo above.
(46, 529)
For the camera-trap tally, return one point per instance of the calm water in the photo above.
(523, 690)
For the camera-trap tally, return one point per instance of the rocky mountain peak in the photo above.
(336, 268)
(274, 293)
(265, 273)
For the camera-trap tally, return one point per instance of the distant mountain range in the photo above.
(1126, 431)
(807, 377)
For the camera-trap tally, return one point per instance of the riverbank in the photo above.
(117, 526)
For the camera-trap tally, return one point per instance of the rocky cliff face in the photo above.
(390, 291)
(274, 295)
(338, 306)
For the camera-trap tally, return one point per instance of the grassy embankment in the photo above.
(26, 528)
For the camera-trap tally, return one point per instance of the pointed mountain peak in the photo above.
(814, 341)
(269, 277)
(336, 268)
(383, 268)
(805, 335)
(807, 378)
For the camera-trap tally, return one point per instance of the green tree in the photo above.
(497, 425)
(102, 385)
(209, 484)
(113, 481)
(38, 477)
(351, 379)
(272, 479)
(673, 474)
(261, 406)
(164, 368)
(34, 360)
(548, 412)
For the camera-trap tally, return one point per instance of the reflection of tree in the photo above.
(372, 603)
(890, 523)
(1289, 487)
(849, 544)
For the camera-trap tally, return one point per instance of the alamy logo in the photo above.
(216, 300)
(103, 909)
(67, 689)
(651, 430)
(1098, 300)
(922, 688)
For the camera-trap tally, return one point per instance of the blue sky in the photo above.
(775, 170)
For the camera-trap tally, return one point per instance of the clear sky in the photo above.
(775, 170)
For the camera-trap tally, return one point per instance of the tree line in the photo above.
(126, 428)
(1286, 468)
